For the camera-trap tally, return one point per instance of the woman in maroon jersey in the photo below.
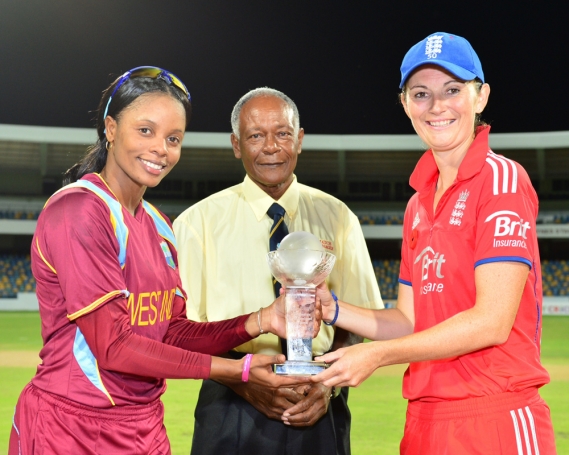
(112, 308)
(468, 315)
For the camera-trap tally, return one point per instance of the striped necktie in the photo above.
(277, 233)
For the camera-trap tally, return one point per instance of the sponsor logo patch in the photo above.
(509, 224)
(431, 269)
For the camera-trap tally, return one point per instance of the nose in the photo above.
(271, 145)
(160, 146)
(437, 105)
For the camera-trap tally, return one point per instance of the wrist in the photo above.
(260, 321)
(265, 320)
(334, 318)
(246, 367)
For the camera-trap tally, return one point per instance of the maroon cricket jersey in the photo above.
(75, 262)
(487, 215)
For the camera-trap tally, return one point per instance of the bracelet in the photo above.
(259, 322)
(333, 321)
(246, 367)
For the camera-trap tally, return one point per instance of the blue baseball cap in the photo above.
(451, 52)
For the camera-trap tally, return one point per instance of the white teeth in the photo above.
(440, 123)
(158, 167)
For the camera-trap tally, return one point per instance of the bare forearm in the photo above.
(465, 332)
(373, 324)
(488, 323)
(226, 371)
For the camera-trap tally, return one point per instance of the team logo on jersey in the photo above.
(434, 46)
(459, 207)
(508, 224)
(168, 255)
(431, 269)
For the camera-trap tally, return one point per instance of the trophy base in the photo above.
(299, 368)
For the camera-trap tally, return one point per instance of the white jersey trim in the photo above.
(492, 159)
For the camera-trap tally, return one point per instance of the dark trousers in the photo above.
(227, 424)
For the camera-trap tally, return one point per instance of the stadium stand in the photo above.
(388, 218)
(15, 275)
(369, 172)
(19, 214)
(555, 277)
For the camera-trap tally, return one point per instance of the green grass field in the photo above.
(378, 410)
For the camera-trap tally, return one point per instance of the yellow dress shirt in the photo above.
(223, 242)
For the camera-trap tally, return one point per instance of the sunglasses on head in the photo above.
(152, 72)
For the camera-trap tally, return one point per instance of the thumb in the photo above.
(278, 358)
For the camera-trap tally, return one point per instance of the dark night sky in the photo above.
(338, 60)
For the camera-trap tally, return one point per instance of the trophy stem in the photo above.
(299, 304)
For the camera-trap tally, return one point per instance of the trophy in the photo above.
(300, 264)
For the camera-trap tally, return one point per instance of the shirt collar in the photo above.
(426, 172)
(261, 201)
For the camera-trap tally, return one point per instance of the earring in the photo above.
(108, 145)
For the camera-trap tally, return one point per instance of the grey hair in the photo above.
(263, 91)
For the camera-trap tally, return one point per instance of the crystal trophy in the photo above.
(300, 263)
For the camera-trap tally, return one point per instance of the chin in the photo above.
(151, 182)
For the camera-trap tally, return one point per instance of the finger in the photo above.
(305, 413)
(299, 408)
(304, 419)
(289, 394)
(329, 357)
(294, 400)
(289, 381)
(267, 360)
(325, 377)
(279, 358)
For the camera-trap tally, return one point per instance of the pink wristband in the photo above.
(246, 367)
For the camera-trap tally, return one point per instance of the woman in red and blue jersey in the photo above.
(468, 315)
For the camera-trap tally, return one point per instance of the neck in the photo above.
(275, 191)
(129, 194)
(448, 163)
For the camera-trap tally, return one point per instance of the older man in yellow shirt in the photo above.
(223, 242)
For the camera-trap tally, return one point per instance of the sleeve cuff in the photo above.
(504, 259)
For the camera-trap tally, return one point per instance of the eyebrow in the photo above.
(452, 81)
(178, 130)
(259, 128)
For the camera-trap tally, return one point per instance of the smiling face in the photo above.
(146, 142)
(443, 108)
(268, 144)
